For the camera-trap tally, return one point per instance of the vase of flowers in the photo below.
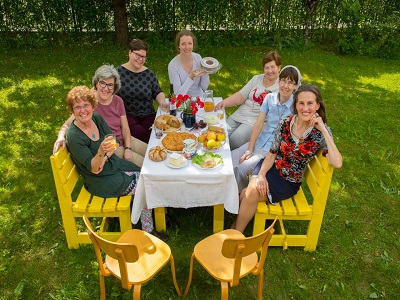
(188, 106)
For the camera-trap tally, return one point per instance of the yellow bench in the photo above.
(66, 179)
(308, 208)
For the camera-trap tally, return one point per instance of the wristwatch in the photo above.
(128, 148)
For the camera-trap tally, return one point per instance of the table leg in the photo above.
(159, 216)
(218, 218)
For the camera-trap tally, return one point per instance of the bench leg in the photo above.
(259, 223)
(125, 221)
(218, 218)
(159, 218)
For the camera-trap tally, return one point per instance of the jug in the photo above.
(208, 101)
(189, 148)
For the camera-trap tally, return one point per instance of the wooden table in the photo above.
(160, 186)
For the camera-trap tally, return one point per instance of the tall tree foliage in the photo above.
(350, 25)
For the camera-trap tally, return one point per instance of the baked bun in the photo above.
(210, 65)
(167, 123)
(157, 153)
(173, 141)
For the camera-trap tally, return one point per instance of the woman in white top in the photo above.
(250, 98)
(184, 69)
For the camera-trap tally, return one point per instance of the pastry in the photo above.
(210, 65)
(173, 141)
(157, 153)
(167, 123)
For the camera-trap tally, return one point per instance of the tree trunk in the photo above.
(121, 22)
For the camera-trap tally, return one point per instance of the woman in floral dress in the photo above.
(297, 140)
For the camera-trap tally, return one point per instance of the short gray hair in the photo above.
(105, 72)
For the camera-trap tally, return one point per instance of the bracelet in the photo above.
(248, 152)
(128, 148)
(98, 153)
(105, 155)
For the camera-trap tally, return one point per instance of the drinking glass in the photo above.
(158, 132)
(113, 140)
(220, 114)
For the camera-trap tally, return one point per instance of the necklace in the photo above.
(305, 133)
(93, 135)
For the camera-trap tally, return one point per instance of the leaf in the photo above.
(373, 296)
(302, 286)
(20, 287)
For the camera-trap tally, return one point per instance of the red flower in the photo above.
(186, 104)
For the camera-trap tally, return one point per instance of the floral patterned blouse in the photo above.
(293, 155)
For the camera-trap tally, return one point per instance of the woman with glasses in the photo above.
(106, 83)
(184, 69)
(250, 98)
(104, 174)
(139, 87)
(296, 141)
(274, 107)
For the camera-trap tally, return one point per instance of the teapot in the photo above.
(189, 148)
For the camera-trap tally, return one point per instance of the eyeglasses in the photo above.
(290, 83)
(85, 106)
(109, 85)
(138, 56)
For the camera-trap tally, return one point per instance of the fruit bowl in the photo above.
(213, 149)
(212, 138)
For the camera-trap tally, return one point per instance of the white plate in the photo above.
(184, 163)
(215, 168)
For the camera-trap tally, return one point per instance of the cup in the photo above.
(158, 132)
(220, 114)
(113, 140)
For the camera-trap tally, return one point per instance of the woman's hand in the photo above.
(128, 155)
(107, 147)
(262, 185)
(246, 156)
(220, 105)
(317, 122)
(196, 73)
(59, 143)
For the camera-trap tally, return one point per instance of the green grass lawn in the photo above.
(358, 252)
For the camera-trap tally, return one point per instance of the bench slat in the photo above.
(110, 204)
(288, 207)
(96, 205)
(124, 202)
(303, 208)
(82, 201)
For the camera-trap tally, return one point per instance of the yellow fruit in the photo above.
(205, 143)
(201, 139)
(217, 144)
(211, 144)
(211, 136)
(221, 137)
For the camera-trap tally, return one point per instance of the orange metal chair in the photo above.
(134, 259)
(228, 256)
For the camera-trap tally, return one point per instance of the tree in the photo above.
(121, 22)
(310, 6)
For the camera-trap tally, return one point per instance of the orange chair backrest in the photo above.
(236, 248)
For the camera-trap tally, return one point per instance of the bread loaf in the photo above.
(157, 153)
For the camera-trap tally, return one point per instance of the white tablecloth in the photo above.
(162, 186)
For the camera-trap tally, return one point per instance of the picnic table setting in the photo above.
(188, 162)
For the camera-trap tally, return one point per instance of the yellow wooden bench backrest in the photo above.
(318, 177)
(66, 177)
